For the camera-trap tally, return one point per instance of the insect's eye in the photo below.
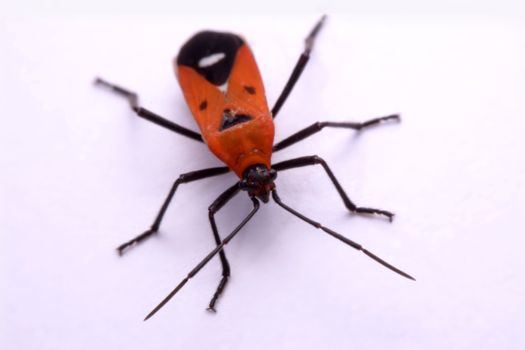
(273, 174)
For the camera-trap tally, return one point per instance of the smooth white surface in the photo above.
(80, 174)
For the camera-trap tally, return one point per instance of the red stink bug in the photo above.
(224, 91)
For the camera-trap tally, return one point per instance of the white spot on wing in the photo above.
(223, 88)
(211, 59)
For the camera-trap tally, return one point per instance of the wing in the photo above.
(224, 91)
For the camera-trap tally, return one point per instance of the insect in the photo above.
(223, 88)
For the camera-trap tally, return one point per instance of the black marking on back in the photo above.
(250, 90)
(203, 105)
(229, 119)
(204, 44)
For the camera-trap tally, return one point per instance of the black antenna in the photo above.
(205, 260)
(339, 237)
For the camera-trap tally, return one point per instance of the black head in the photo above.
(258, 181)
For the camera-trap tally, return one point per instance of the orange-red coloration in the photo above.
(244, 144)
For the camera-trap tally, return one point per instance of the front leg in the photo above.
(312, 160)
(212, 210)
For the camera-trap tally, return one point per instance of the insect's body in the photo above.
(223, 88)
(224, 91)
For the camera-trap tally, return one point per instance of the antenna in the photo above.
(205, 260)
(339, 237)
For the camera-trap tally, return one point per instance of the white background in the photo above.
(80, 174)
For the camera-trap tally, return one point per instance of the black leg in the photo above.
(204, 261)
(184, 178)
(299, 66)
(316, 127)
(212, 210)
(312, 160)
(146, 114)
(339, 237)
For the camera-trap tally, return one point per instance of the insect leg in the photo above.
(204, 261)
(184, 178)
(312, 160)
(299, 66)
(340, 237)
(318, 126)
(133, 100)
(212, 210)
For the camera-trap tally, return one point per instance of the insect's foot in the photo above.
(381, 120)
(393, 117)
(126, 246)
(100, 81)
(387, 214)
(211, 309)
(218, 292)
